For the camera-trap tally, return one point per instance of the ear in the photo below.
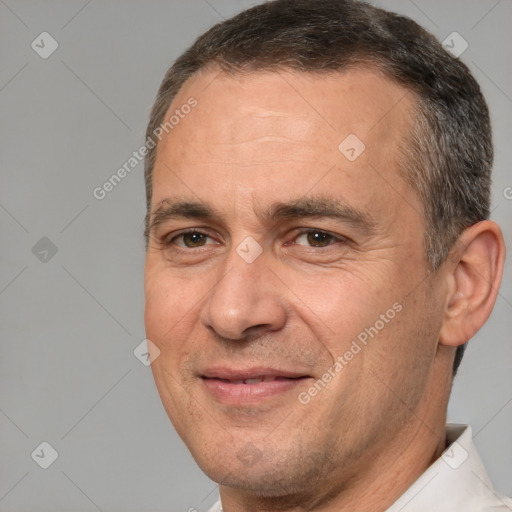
(475, 269)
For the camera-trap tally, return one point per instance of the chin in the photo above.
(262, 485)
(268, 474)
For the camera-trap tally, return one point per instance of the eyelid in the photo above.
(169, 239)
(335, 237)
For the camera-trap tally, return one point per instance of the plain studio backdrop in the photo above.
(77, 82)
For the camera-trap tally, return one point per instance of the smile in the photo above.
(238, 387)
(256, 380)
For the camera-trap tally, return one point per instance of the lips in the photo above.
(236, 386)
(257, 374)
(256, 380)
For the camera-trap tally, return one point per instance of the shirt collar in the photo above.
(454, 482)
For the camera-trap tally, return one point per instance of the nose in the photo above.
(246, 301)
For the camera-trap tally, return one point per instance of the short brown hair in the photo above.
(448, 156)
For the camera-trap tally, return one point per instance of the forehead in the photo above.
(268, 130)
(360, 99)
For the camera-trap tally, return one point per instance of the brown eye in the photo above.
(316, 238)
(319, 239)
(190, 240)
(194, 239)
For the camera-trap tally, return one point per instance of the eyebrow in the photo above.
(302, 208)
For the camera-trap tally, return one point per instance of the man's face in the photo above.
(303, 254)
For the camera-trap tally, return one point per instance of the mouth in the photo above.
(236, 387)
(256, 380)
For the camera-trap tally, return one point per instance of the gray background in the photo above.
(70, 324)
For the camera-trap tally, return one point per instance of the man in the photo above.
(318, 254)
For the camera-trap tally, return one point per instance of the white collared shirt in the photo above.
(456, 482)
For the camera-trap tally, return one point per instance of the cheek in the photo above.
(166, 307)
(340, 305)
(400, 358)
(160, 305)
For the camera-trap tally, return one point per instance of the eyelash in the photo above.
(336, 238)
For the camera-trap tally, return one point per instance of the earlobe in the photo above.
(474, 277)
